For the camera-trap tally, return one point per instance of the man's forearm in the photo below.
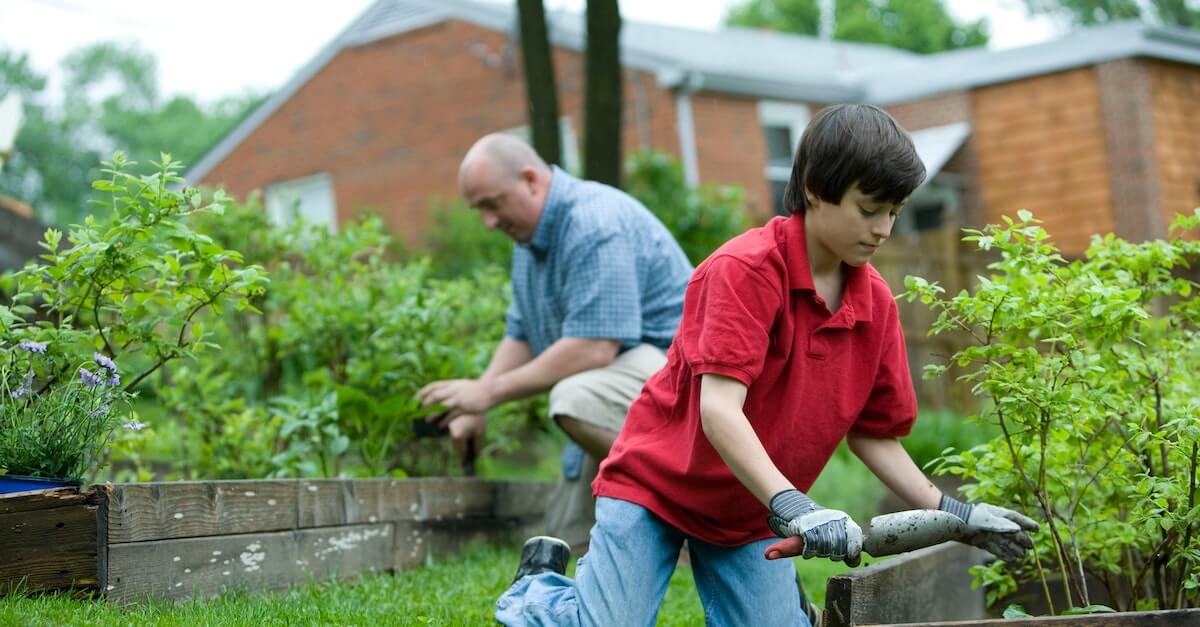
(888, 460)
(567, 356)
(509, 355)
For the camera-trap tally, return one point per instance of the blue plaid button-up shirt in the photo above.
(600, 266)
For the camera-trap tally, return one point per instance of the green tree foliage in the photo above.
(1088, 368)
(1091, 12)
(918, 25)
(110, 101)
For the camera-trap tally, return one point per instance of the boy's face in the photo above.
(852, 230)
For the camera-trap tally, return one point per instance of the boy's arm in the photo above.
(793, 515)
(998, 530)
(727, 429)
(888, 460)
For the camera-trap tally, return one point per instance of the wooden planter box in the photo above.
(182, 539)
(931, 587)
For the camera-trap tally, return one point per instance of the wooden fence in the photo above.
(935, 255)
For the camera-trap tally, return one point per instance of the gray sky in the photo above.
(212, 48)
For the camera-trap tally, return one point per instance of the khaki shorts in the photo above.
(600, 397)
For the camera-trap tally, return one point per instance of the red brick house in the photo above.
(1093, 132)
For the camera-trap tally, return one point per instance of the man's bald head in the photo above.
(503, 156)
(505, 179)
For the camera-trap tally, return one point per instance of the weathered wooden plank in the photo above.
(419, 543)
(45, 499)
(931, 584)
(50, 549)
(183, 509)
(346, 502)
(455, 498)
(208, 566)
(1164, 618)
(522, 499)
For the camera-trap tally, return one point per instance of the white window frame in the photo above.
(310, 197)
(795, 117)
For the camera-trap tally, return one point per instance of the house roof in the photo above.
(753, 63)
(975, 67)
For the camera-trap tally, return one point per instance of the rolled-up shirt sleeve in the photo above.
(513, 325)
(728, 313)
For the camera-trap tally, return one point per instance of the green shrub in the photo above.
(700, 219)
(1089, 369)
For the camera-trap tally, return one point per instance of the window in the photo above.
(783, 123)
(309, 198)
(569, 147)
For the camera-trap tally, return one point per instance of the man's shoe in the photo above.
(543, 554)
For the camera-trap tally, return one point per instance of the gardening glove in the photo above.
(826, 532)
(996, 530)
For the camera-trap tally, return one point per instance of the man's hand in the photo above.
(466, 429)
(997, 530)
(826, 532)
(459, 396)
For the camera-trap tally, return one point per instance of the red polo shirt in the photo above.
(751, 313)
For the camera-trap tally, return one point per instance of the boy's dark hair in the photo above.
(853, 143)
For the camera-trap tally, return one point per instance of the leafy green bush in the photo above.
(700, 219)
(131, 286)
(458, 244)
(938, 433)
(1089, 367)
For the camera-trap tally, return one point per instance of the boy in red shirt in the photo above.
(789, 342)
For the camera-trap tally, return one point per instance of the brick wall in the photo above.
(940, 110)
(1129, 141)
(1175, 92)
(391, 120)
(731, 147)
(1041, 146)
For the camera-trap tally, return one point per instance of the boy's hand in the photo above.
(826, 532)
(997, 530)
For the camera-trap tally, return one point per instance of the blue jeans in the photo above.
(623, 577)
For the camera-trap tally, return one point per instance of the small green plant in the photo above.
(128, 284)
(57, 427)
(1088, 367)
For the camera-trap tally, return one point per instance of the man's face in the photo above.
(853, 229)
(512, 204)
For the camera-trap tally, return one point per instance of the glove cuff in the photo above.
(789, 504)
(955, 506)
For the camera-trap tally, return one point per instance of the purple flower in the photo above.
(108, 364)
(103, 409)
(114, 380)
(89, 378)
(33, 347)
(134, 426)
(25, 388)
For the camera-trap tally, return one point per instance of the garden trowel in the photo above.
(889, 534)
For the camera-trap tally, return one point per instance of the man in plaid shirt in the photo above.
(598, 286)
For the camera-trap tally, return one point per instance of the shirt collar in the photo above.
(856, 294)
(546, 233)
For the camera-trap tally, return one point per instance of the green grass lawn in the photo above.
(457, 591)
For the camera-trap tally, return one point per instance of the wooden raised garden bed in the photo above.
(931, 588)
(183, 539)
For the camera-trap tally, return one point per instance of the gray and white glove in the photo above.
(997, 530)
(826, 532)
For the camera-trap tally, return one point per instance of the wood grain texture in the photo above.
(1164, 618)
(49, 540)
(183, 509)
(931, 584)
(208, 566)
